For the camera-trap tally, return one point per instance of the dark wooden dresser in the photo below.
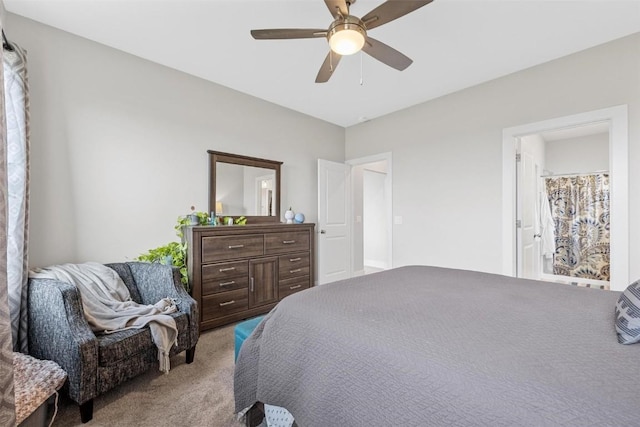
(241, 271)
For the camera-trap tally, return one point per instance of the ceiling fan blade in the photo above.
(288, 33)
(337, 7)
(386, 54)
(328, 67)
(390, 10)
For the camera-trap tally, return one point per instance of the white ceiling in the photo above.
(454, 44)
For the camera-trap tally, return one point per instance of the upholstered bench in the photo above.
(243, 330)
(35, 381)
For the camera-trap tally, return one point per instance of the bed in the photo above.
(427, 346)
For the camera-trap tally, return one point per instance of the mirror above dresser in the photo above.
(244, 186)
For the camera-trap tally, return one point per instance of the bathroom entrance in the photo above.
(522, 247)
(563, 205)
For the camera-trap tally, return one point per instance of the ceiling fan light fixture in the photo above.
(346, 36)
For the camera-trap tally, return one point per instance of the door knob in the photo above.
(323, 232)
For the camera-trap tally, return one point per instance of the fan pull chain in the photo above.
(331, 60)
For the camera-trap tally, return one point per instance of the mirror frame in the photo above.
(236, 159)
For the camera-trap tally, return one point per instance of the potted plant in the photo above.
(175, 253)
(194, 218)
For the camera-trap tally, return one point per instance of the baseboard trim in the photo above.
(375, 264)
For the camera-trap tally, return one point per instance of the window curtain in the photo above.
(580, 211)
(7, 398)
(16, 89)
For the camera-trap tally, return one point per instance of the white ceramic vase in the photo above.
(289, 215)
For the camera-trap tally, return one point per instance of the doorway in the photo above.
(374, 220)
(371, 196)
(347, 203)
(563, 205)
(616, 119)
(264, 192)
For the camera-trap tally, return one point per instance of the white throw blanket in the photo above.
(108, 306)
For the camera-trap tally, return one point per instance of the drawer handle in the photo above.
(295, 287)
(297, 270)
(294, 259)
(222, 270)
(251, 287)
(222, 304)
(236, 246)
(288, 242)
(233, 282)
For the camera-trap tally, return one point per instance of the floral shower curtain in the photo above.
(580, 211)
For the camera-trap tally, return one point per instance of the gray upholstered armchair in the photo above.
(94, 363)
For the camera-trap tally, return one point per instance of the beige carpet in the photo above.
(199, 394)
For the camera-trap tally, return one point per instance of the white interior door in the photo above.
(334, 226)
(527, 217)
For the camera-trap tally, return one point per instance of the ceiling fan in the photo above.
(347, 34)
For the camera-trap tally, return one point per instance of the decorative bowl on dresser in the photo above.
(237, 272)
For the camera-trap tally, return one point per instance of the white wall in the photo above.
(578, 155)
(119, 146)
(447, 176)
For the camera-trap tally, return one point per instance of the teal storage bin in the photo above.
(243, 330)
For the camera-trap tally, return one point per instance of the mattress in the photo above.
(418, 345)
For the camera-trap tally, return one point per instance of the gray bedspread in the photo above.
(426, 346)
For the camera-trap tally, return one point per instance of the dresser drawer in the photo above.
(292, 261)
(223, 285)
(291, 286)
(288, 273)
(220, 248)
(224, 270)
(224, 303)
(289, 241)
